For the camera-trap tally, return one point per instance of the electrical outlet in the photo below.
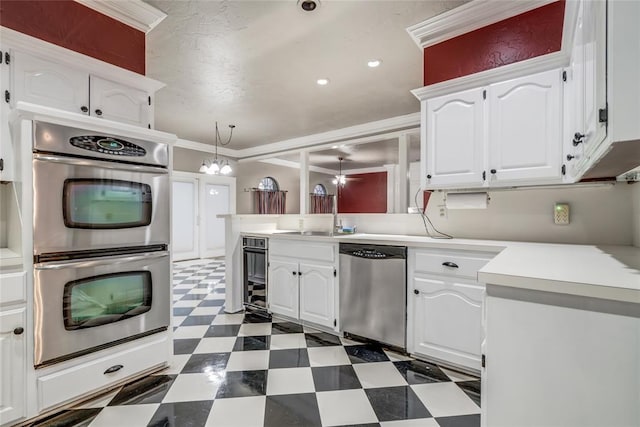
(561, 214)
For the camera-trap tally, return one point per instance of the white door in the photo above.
(525, 129)
(114, 101)
(184, 219)
(41, 82)
(13, 353)
(317, 287)
(282, 291)
(215, 200)
(455, 139)
(448, 320)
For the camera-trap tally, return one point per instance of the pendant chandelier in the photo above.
(216, 166)
(340, 179)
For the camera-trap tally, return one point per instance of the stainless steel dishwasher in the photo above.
(373, 292)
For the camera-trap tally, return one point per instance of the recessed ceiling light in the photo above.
(374, 63)
(323, 82)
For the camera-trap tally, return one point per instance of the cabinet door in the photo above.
(6, 149)
(447, 316)
(282, 291)
(42, 82)
(13, 367)
(317, 287)
(455, 139)
(588, 66)
(114, 101)
(525, 131)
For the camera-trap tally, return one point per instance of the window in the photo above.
(320, 190)
(268, 184)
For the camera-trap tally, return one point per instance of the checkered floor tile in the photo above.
(248, 370)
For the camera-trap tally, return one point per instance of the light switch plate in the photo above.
(561, 214)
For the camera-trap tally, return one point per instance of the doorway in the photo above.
(197, 201)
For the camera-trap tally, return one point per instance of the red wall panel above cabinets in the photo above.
(76, 27)
(534, 33)
(364, 193)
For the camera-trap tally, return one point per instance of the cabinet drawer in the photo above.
(74, 382)
(303, 250)
(12, 288)
(450, 263)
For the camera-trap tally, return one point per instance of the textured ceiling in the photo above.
(255, 64)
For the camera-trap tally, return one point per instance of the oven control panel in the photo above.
(107, 145)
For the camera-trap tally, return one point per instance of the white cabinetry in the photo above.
(13, 347)
(505, 133)
(455, 127)
(283, 288)
(444, 309)
(525, 129)
(302, 281)
(6, 148)
(43, 82)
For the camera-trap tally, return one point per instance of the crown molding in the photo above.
(206, 148)
(134, 13)
(538, 64)
(52, 52)
(468, 17)
(343, 135)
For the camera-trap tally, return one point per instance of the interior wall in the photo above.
(599, 215)
(249, 175)
(635, 201)
(364, 193)
(521, 37)
(74, 26)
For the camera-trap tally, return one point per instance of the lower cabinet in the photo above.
(302, 280)
(13, 353)
(445, 306)
(447, 319)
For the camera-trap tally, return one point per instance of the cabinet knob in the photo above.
(570, 157)
(493, 171)
(578, 138)
(18, 331)
(428, 176)
(417, 292)
(294, 273)
(299, 273)
(114, 368)
(84, 109)
(98, 112)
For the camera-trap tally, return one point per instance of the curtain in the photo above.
(321, 203)
(269, 202)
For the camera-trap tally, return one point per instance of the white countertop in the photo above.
(9, 260)
(606, 272)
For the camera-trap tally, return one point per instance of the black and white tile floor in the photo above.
(246, 370)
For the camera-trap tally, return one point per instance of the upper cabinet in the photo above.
(51, 84)
(560, 112)
(455, 131)
(6, 148)
(501, 134)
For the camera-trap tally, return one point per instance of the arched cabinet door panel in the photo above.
(120, 103)
(283, 287)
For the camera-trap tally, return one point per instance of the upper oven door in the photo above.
(85, 305)
(85, 204)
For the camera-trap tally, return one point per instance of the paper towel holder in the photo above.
(466, 200)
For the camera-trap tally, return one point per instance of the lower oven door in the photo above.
(86, 305)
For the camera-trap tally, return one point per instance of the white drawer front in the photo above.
(302, 250)
(88, 377)
(12, 288)
(450, 263)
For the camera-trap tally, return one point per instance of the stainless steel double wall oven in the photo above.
(100, 240)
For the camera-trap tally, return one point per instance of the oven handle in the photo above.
(102, 164)
(100, 261)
